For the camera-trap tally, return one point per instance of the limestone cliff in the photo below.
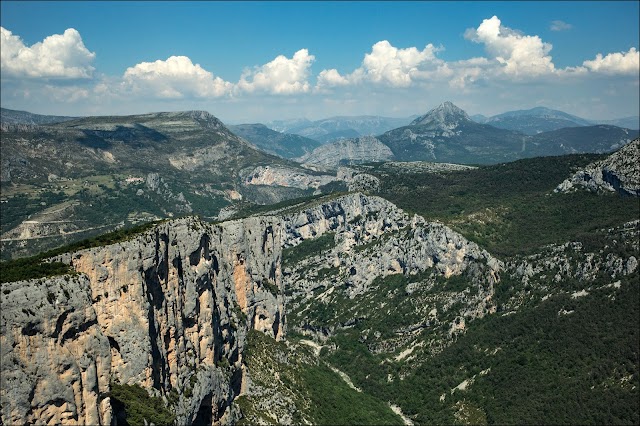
(167, 310)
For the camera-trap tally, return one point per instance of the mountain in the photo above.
(540, 119)
(626, 122)
(479, 118)
(449, 295)
(66, 181)
(284, 145)
(284, 126)
(9, 116)
(619, 172)
(535, 120)
(447, 134)
(570, 140)
(349, 151)
(334, 128)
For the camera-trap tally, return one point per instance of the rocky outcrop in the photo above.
(167, 310)
(619, 172)
(287, 177)
(350, 151)
(374, 238)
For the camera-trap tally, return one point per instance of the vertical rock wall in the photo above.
(167, 310)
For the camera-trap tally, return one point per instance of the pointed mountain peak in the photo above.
(445, 115)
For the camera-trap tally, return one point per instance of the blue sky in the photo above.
(259, 61)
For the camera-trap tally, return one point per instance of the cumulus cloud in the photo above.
(386, 64)
(60, 56)
(558, 25)
(282, 76)
(518, 54)
(331, 78)
(175, 78)
(615, 63)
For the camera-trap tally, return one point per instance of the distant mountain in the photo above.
(334, 128)
(10, 116)
(535, 120)
(285, 126)
(479, 118)
(447, 134)
(577, 140)
(626, 122)
(540, 119)
(285, 145)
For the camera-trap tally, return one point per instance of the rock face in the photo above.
(411, 245)
(369, 242)
(164, 310)
(619, 172)
(286, 177)
(351, 151)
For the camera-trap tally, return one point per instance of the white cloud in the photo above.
(331, 78)
(559, 25)
(518, 54)
(394, 66)
(615, 63)
(388, 65)
(62, 56)
(282, 76)
(177, 77)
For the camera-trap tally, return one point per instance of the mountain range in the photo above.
(67, 180)
(540, 119)
(448, 134)
(334, 128)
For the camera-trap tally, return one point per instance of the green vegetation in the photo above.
(31, 268)
(319, 394)
(579, 368)
(509, 208)
(140, 408)
(558, 358)
(310, 247)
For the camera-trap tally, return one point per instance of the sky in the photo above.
(248, 62)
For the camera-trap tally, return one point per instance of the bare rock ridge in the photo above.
(619, 172)
(351, 151)
(170, 308)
